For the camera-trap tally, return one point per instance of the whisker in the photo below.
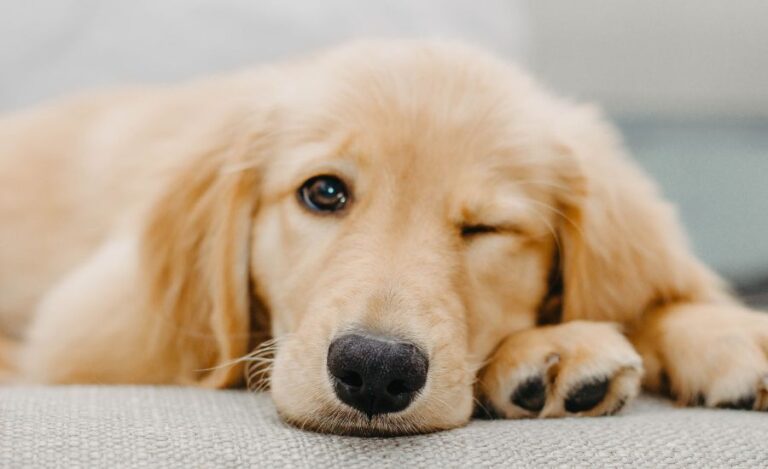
(482, 405)
(560, 214)
(249, 357)
(258, 379)
(554, 234)
(259, 364)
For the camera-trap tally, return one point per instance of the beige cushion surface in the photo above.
(100, 426)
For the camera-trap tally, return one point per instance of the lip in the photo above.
(340, 421)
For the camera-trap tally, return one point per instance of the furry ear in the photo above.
(622, 247)
(195, 255)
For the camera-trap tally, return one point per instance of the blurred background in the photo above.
(686, 80)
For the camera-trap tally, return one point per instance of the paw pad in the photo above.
(587, 395)
(531, 395)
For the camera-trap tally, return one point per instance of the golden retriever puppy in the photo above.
(416, 226)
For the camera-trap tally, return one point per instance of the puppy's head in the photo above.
(395, 209)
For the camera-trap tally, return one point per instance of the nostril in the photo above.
(351, 379)
(398, 387)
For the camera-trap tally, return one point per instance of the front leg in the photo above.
(706, 354)
(574, 368)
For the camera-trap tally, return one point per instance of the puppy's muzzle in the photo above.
(376, 375)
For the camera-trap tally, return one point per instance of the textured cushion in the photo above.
(173, 427)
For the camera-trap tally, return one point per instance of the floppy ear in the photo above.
(195, 255)
(622, 247)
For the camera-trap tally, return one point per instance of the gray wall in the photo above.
(53, 47)
(670, 57)
(680, 57)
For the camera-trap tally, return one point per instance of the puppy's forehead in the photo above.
(421, 87)
(430, 107)
(442, 120)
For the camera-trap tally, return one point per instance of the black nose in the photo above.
(376, 375)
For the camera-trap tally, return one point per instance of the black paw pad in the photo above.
(587, 395)
(531, 395)
(744, 403)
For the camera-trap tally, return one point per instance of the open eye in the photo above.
(473, 230)
(324, 194)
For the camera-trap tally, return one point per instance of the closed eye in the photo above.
(474, 230)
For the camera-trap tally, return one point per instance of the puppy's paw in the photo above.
(576, 368)
(712, 355)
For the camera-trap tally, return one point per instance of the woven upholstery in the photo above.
(182, 427)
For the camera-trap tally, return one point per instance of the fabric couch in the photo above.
(101, 426)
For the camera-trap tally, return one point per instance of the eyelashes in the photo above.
(476, 230)
(472, 231)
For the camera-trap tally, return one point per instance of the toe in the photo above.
(587, 396)
(620, 403)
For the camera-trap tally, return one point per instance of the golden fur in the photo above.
(154, 236)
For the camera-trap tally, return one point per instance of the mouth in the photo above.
(349, 422)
